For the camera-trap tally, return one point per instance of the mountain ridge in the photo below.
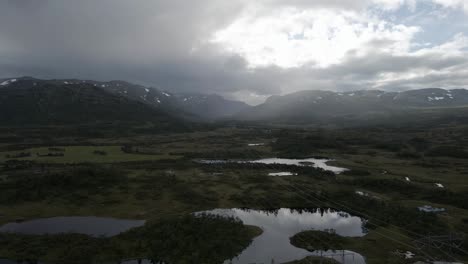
(318, 106)
(190, 106)
(308, 106)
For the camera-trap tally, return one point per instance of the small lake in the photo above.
(89, 225)
(309, 162)
(7, 261)
(273, 245)
(282, 174)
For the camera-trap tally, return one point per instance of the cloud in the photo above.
(454, 4)
(242, 49)
(294, 37)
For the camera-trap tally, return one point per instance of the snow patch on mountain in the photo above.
(7, 82)
(435, 98)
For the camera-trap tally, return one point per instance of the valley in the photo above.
(156, 177)
(234, 132)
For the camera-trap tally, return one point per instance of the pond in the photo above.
(280, 174)
(309, 162)
(7, 261)
(273, 245)
(90, 225)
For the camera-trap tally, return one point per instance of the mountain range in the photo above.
(28, 100)
(31, 100)
(334, 107)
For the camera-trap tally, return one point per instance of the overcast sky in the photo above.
(244, 49)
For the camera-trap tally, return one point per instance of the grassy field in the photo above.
(82, 154)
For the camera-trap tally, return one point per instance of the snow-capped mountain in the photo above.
(188, 106)
(26, 101)
(322, 106)
(211, 107)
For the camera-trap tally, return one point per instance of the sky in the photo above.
(241, 49)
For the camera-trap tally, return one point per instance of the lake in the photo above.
(309, 162)
(88, 225)
(278, 226)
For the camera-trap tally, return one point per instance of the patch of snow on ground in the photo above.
(166, 94)
(439, 185)
(147, 90)
(407, 179)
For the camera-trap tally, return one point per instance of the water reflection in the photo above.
(93, 226)
(282, 174)
(7, 261)
(279, 225)
(311, 162)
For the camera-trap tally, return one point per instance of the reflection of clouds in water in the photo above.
(295, 221)
(279, 225)
(316, 163)
(312, 162)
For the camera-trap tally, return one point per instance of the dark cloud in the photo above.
(164, 43)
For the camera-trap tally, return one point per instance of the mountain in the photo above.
(189, 106)
(211, 107)
(324, 107)
(27, 101)
(196, 107)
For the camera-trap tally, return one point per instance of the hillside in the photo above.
(29, 101)
(194, 107)
(323, 107)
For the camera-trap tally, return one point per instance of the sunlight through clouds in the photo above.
(241, 49)
(291, 37)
